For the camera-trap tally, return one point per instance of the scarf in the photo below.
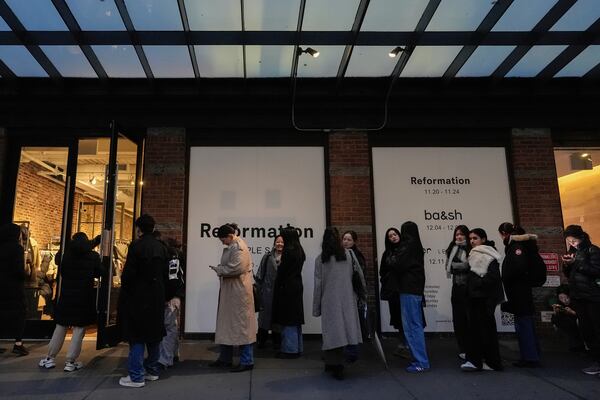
(481, 257)
(462, 255)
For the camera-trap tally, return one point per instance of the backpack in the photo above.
(537, 268)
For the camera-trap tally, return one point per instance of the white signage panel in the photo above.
(439, 188)
(262, 189)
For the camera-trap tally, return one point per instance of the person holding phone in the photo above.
(582, 267)
(565, 318)
(236, 320)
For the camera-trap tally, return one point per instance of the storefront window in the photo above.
(578, 171)
(39, 206)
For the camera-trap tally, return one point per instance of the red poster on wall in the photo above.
(551, 261)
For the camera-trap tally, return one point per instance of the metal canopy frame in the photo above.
(483, 35)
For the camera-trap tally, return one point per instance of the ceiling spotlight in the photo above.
(131, 180)
(93, 180)
(584, 155)
(395, 52)
(309, 50)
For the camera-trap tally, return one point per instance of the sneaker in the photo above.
(462, 356)
(150, 377)
(486, 367)
(126, 381)
(47, 362)
(415, 369)
(71, 366)
(469, 367)
(20, 350)
(592, 369)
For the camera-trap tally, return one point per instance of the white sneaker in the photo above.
(462, 356)
(47, 362)
(486, 367)
(71, 366)
(468, 367)
(126, 381)
(149, 377)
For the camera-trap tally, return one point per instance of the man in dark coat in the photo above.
(12, 287)
(141, 303)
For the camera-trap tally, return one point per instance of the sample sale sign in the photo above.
(438, 189)
(263, 190)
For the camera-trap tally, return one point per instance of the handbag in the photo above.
(357, 279)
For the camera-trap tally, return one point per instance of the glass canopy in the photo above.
(182, 39)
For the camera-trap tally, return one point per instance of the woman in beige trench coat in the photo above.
(236, 320)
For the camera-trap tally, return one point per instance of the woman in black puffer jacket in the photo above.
(76, 303)
(582, 266)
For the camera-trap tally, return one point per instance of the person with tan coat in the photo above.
(236, 319)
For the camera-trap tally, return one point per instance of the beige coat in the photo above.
(236, 320)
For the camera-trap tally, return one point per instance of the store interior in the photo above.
(39, 209)
(578, 171)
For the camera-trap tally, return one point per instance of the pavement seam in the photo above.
(556, 386)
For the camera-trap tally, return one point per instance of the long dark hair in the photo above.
(483, 235)
(292, 249)
(577, 232)
(409, 237)
(388, 243)
(332, 246)
(359, 255)
(465, 231)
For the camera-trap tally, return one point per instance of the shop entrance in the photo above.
(80, 184)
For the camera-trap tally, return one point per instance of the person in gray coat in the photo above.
(265, 279)
(335, 301)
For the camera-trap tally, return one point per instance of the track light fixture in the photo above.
(396, 51)
(309, 50)
(93, 180)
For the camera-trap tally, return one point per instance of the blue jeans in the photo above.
(291, 339)
(528, 341)
(136, 364)
(412, 323)
(246, 354)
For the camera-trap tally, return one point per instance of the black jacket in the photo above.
(515, 269)
(12, 280)
(390, 287)
(288, 304)
(142, 297)
(409, 269)
(488, 286)
(175, 282)
(76, 303)
(584, 273)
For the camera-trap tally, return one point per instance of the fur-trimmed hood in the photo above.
(481, 257)
(523, 238)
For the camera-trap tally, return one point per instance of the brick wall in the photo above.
(164, 179)
(350, 195)
(537, 196)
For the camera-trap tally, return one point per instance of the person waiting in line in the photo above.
(484, 288)
(410, 271)
(457, 267)
(582, 266)
(174, 293)
(142, 303)
(76, 303)
(390, 288)
(518, 246)
(265, 279)
(12, 287)
(288, 303)
(236, 319)
(334, 300)
(564, 319)
(349, 239)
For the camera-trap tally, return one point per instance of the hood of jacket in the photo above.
(481, 257)
(523, 238)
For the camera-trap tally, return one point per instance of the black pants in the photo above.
(567, 324)
(263, 335)
(483, 338)
(588, 313)
(460, 316)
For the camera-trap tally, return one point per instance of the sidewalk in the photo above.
(560, 378)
